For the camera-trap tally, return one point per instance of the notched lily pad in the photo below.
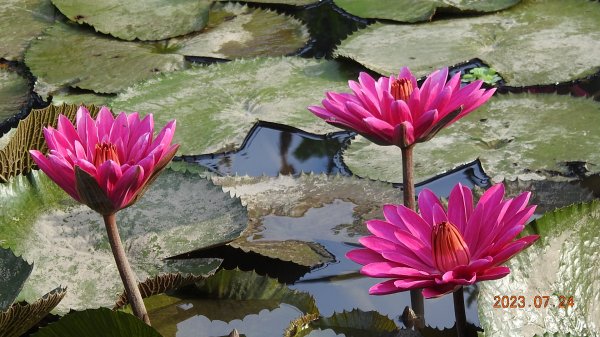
(14, 156)
(563, 262)
(14, 94)
(289, 216)
(217, 105)
(13, 273)
(418, 10)
(360, 323)
(236, 30)
(67, 55)
(142, 19)
(526, 49)
(514, 135)
(179, 213)
(20, 22)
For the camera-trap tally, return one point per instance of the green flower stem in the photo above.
(459, 312)
(127, 276)
(408, 185)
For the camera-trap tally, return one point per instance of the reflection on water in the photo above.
(272, 149)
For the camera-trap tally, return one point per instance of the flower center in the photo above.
(449, 247)
(104, 152)
(401, 89)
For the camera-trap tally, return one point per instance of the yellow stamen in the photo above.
(401, 89)
(104, 152)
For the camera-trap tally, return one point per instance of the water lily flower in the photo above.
(106, 163)
(396, 111)
(441, 250)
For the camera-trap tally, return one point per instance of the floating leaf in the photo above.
(99, 322)
(21, 317)
(20, 22)
(14, 94)
(289, 216)
(67, 55)
(360, 323)
(513, 135)
(286, 2)
(78, 97)
(179, 213)
(236, 30)
(217, 105)
(14, 157)
(158, 285)
(418, 10)
(142, 19)
(534, 42)
(563, 262)
(13, 273)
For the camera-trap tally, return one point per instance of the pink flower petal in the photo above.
(427, 199)
(104, 122)
(364, 256)
(384, 288)
(460, 207)
(439, 290)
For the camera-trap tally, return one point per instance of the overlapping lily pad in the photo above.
(564, 262)
(236, 30)
(20, 22)
(67, 241)
(513, 135)
(141, 19)
(14, 93)
(418, 10)
(67, 55)
(275, 206)
(286, 2)
(534, 42)
(361, 323)
(78, 97)
(217, 105)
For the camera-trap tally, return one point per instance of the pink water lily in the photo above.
(105, 163)
(441, 250)
(396, 111)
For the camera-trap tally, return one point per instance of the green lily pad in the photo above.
(21, 317)
(14, 156)
(99, 322)
(534, 42)
(290, 215)
(513, 135)
(360, 323)
(230, 297)
(79, 97)
(236, 30)
(217, 105)
(67, 55)
(142, 20)
(285, 2)
(14, 94)
(13, 273)
(179, 213)
(418, 10)
(563, 262)
(20, 22)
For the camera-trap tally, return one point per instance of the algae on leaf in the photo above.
(534, 42)
(513, 135)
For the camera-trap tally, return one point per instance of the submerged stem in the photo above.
(408, 185)
(459, 312)
(127, 276)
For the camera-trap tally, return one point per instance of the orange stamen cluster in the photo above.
(104, 152)
(401, 89)
(449, 247)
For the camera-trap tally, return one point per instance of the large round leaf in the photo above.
(20, 22)
(14, 94)
(236, 30)
(140, 19)
(13, 273)
(67, 55)
(534, 42)
(217, 105)
(564, 262)
(100, 322)
(417, 10)
(512, 135)
(179, 213)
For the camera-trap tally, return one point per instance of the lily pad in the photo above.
(179, 213)
(20, 22)
(236, 30)
(285, 2)
(67, 55)
(534, 42)
(217, 105)
(14, 156)
(360, 323)
(514, 135)
(563, 262)
(13, 273)
(418, 10)
(14, 94)
(142, 20)
(79, 97)
(290, 216)
(99, 322)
